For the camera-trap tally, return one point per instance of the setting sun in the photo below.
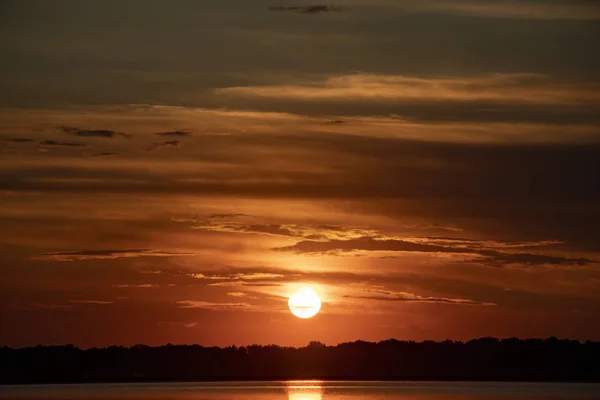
(305, 303)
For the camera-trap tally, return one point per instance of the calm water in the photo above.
(305, 390)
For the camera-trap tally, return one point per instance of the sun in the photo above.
(304, 303)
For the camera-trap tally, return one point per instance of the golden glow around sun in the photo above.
(304, 303)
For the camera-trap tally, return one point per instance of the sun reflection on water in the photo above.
(304, 390)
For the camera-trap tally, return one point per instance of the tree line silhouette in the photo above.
(481, 359)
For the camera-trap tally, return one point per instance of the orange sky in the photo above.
(171, 174)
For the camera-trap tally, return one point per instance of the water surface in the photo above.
(305, 390)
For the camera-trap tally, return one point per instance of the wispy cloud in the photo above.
(182, 324)
(140, 286)
(105, 154)
(96, 302)
(61, 144)
(98, 133)
(230, 223)
(485, 255)
(257, 276)
(522, 9)
(106, 254)
(242, 276)
(162, 145)
(19, 140)
(213, 306)
(241, 283)
(311, 10)
(175, 133)
(232, 215)
(383, 295)
(237, 294)
(513, 88)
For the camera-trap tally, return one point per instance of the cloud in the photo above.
(257, 276)
(213, 306)
(522, 9)
(101, 133)
(162, 145)
(272, 229)
(493, 188)
(227, 215)
(97, 302)
(106, 154)
(383, 295)
(140, 286)
(500, 98)
(488, 244)
(175, 133)
(367, 244)
(438, 279)
(374, 244)
(106, 254)
(499, 259)
(238, 276)
(312, 10)
(19, 140)
(182, 324)
(63, 144)
(513, 88)
(284, 230)
(237, 294)
(240, 283)
(199, 275)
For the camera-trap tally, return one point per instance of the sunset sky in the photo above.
(170, 172)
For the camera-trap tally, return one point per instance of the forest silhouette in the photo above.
(481, 359)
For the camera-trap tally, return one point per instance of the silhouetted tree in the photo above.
(481, 359)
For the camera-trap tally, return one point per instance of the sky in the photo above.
(170, 172)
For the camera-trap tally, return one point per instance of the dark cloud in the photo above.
(92, 302)
(366, 244)
(102, 133)
(106, 254)
(270, 229)
(490, 257)
(181, 324)
(523, 9)
(107, 154)
(214, 306)
(286, 230)
(175, 133)
(64, 144)
(498, 259)
(500, 295)
(413, 298)
(19, 140)
(245, 283)
(313, 9)
(220, 216)
(162, 145)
